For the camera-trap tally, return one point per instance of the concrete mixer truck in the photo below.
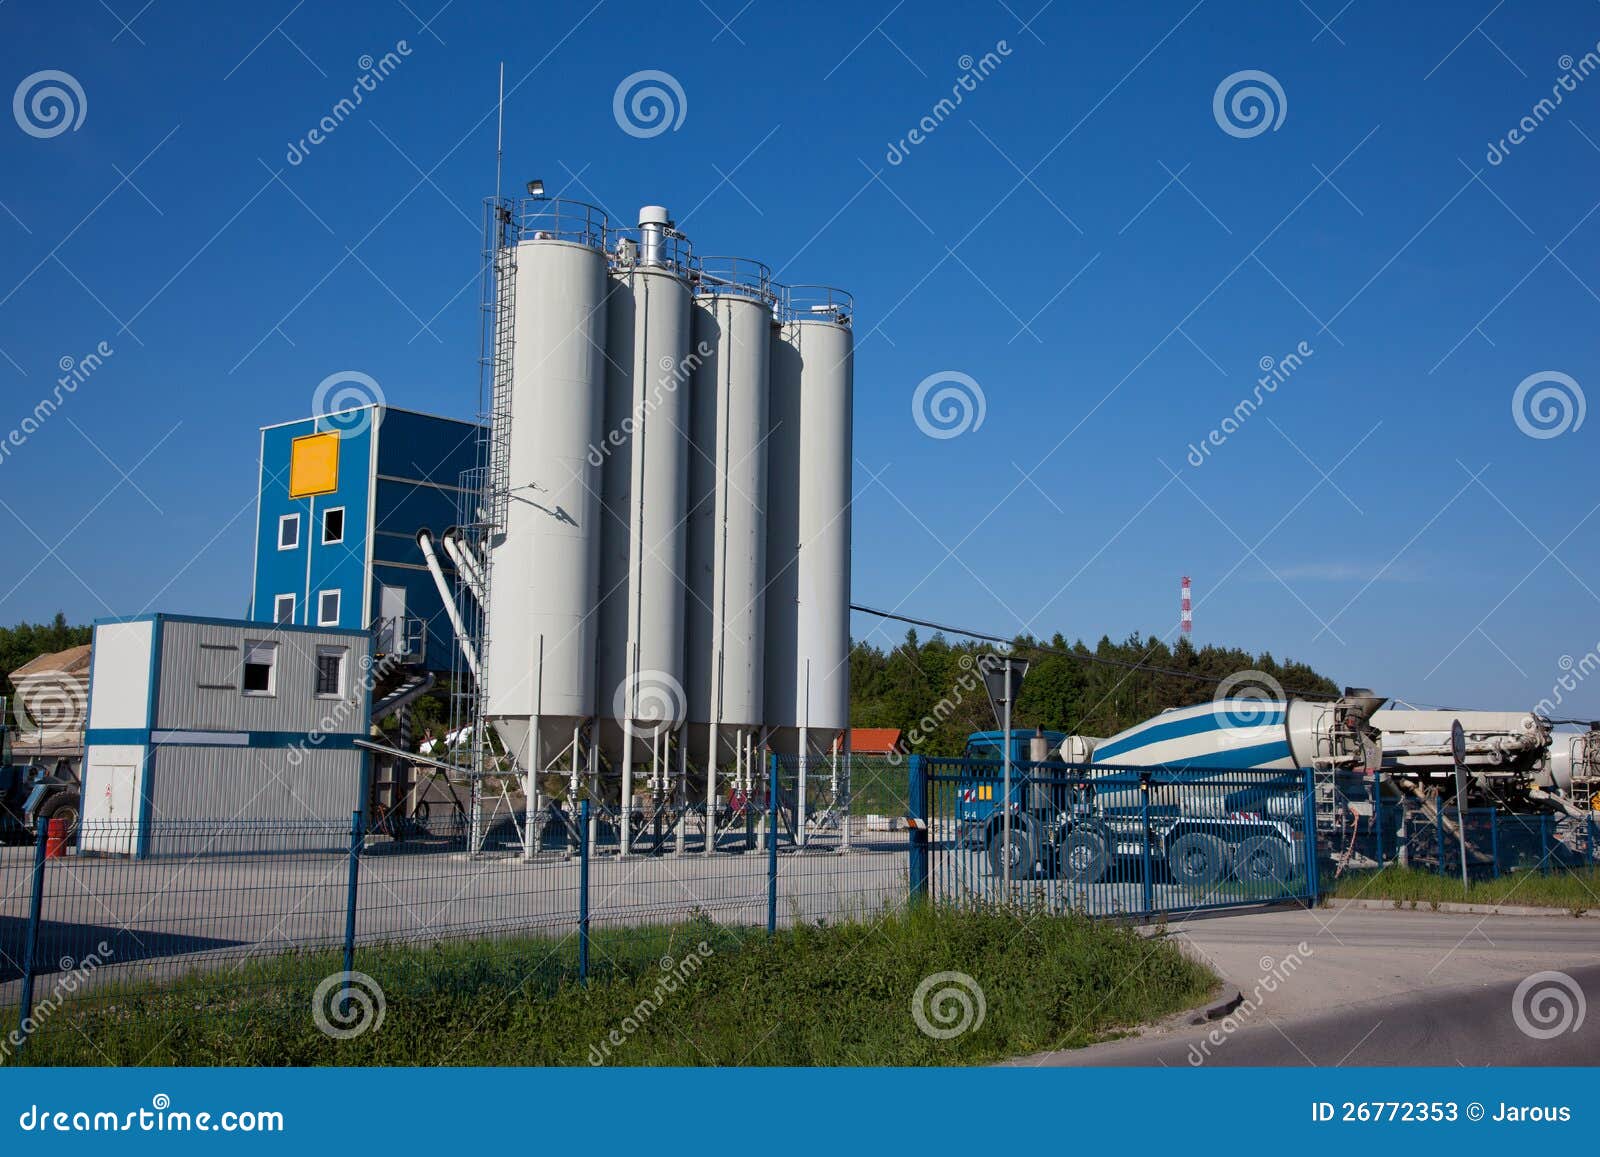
(1205, 824)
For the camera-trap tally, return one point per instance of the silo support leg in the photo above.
(711, 791)
(625, 797)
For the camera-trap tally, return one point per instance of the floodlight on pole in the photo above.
(536, 188)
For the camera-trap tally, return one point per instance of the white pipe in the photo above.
(425, 542)
(462, 557)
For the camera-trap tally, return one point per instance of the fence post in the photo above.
(1144, 814)
(31, 952)
(1308, 839)
(350, 893)
(772, 844)
(1377, 813)
(917, 809)
(1544, 844)
(1494, 840)
(583, 891)
(1438, 833)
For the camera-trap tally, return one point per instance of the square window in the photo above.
(289, 532)
(330, 672)
(260, 668)
(283, 609)
(328, 609)
(314, 465)
(333, 526)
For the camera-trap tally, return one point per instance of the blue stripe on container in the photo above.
(1214, 720)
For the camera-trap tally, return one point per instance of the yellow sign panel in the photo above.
(314, 465)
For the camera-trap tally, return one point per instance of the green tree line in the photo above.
(933, 690)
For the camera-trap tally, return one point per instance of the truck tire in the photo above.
(1084, 857)
(1197, 859)
(1262, 860)
(64, 805)
(1024, 848)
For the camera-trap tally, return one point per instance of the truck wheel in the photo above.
(1084, 858)
(1197, 859)
(1262, 860)
(62, 806)
(1024, 848)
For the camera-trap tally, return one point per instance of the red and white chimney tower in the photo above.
(1185, 607)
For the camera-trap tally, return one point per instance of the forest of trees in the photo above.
(934, 693)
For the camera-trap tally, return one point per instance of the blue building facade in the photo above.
(341, 499)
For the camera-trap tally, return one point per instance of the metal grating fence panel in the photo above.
(1112, 841)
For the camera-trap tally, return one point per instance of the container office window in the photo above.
(333, 526)
(260, 668)
(289, 532)
(330, 672)
(328, 608)
(283, 609)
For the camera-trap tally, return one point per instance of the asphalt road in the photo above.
(1356, 987)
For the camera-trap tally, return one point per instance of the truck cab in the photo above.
(978, 796)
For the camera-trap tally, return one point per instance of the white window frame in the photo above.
(253, 647)
(289, 520)
(338, 605)
(322, 653)
(277, 609)
(326, 541)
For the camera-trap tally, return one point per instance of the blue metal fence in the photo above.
(221, 912)
(1108, 840)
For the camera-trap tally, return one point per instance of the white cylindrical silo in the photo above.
(539, 669)
(644, 483)
(822, 706)
(781, 636)
(727, 561)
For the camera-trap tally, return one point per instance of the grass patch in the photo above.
(1577, 890)
(695, 993)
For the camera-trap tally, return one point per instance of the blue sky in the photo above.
(1081, 237)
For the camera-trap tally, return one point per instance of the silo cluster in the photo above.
(669, 570)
